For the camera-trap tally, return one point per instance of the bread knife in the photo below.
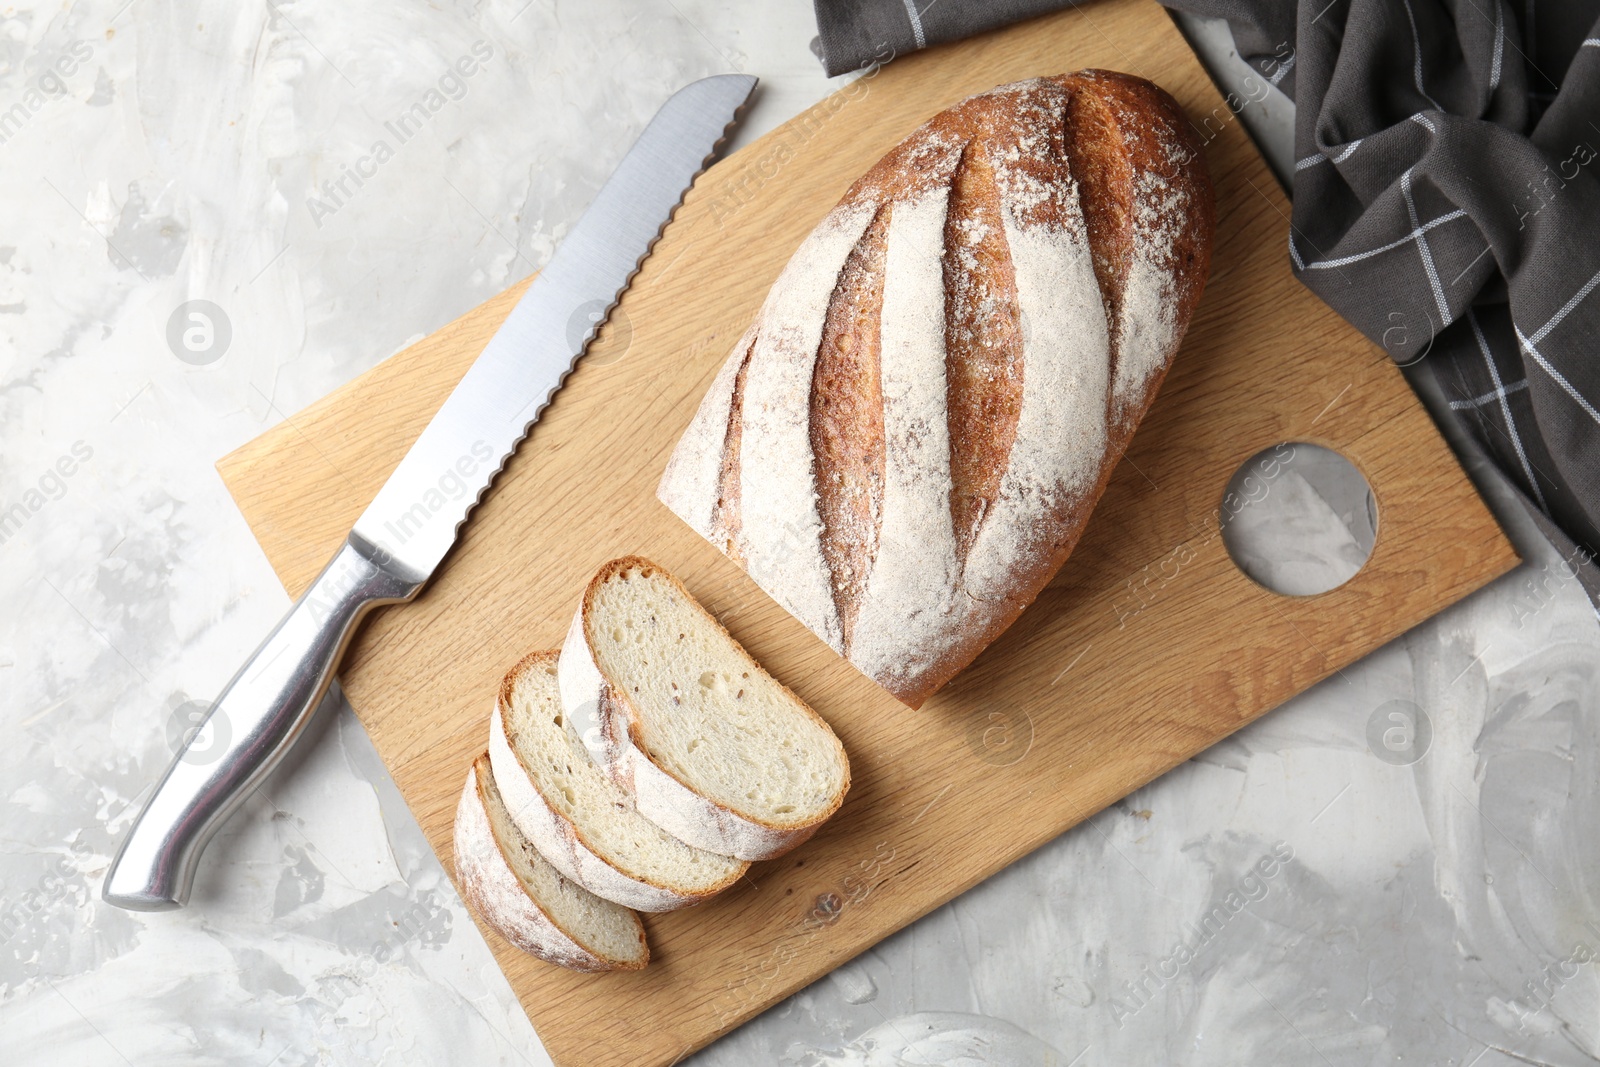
(399, 541)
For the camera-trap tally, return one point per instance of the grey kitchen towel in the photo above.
(854, 34)
(1446, 196)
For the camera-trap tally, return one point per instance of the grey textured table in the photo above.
(1433, 904)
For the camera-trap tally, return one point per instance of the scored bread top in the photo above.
(700, 708)
(906, 443)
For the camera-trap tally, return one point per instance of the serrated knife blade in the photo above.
(409, 527)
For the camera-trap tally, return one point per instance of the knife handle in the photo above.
(249, 729)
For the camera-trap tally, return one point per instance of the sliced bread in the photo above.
(505, 880)
(712, 747)
(583, 822)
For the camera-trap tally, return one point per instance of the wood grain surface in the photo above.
(1148, 647)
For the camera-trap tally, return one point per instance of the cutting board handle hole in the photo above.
(1299, 519)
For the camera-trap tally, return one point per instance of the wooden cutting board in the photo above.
(1148, 647)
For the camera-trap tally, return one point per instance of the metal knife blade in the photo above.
(411, 524)
(415, 516)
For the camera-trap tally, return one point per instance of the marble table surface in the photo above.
(1399, 865)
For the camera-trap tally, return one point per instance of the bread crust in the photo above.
(559, 839)
(660, 795)
(1074, 221)
(491, 889)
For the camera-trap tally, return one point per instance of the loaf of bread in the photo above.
(710, 746)
(906, 443)
(580, 820)
(516, 891)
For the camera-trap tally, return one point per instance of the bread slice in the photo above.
(582, 821)
(520, 894)
(712, 747)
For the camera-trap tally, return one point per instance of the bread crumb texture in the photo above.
(593, 814)
(517, 891)
(704, 711)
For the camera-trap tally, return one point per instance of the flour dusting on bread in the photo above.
(907, 494)
(779, 523)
